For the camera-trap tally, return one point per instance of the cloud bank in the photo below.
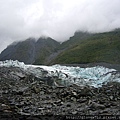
(59, 19)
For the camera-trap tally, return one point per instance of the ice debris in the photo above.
(93, 76)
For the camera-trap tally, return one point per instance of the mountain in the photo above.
(43, 49)
(81, 48)
(76, 39)
(30, 51)
(90, 48)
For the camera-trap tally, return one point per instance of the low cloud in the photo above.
(59, 19)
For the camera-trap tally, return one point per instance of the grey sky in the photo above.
(59, 19)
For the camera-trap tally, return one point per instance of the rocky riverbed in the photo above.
(24, 95)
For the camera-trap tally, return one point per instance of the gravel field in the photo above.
(24, 97)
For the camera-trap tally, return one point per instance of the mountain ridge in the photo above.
(98, 47)
(81, 48)
(30, 50)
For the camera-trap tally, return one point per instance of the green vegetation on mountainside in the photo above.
(78, 37)
(101, 47)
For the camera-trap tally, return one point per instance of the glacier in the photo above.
(93, 76)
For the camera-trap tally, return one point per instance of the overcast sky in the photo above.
(59, 19)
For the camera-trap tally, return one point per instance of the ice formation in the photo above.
(93, 76)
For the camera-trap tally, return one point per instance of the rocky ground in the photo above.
(23, 96)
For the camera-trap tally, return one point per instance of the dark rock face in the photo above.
(24, 96)
(43, 49)
(30, 51)
(22, 51)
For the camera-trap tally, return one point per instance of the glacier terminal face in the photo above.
(92, 76)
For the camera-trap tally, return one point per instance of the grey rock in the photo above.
(82, 100)
(73, 99)
(68, 105)
(111, 97)
(74, 112)
(97, 106)
(5, 107)
(42, 92)
(49, 106)
(58, 101)
(74, 93)
(36, 90)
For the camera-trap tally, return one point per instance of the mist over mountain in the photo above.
(91, 48)
(81, 48)
(30, 51)
(58, 19)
